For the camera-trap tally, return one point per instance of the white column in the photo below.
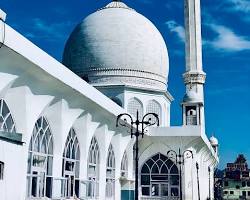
(188, 179)
(102, 180)
(194, 77)
(193, 35)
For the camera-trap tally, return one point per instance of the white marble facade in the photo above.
(58, 138)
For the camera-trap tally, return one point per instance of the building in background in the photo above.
(218, 184)
(236, 180)
(58, 138)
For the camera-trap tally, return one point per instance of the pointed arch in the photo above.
(110, 173)
(160, 177)
(154, 107)
(135, 104)
(71, 165)
(6, 120)
(124, 165)
(93, 169)
(40, 160)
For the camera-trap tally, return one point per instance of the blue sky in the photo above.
(226, 54)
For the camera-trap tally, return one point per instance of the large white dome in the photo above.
(118, 46)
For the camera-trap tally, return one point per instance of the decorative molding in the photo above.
(116, 71)
(133, 81)
(116, 5)
(121, 76)
(194, 77)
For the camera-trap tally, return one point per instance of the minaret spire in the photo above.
(194, 77)
(193, 35)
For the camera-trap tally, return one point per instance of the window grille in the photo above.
(6, 121)
(110, 174)
(124, 166)
(40, 160)
(154, 107)
(134, 105)
(93, 169)
(160, 177)
(71, 165)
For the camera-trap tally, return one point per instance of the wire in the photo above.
(3, 34)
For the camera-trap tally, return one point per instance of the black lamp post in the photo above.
(149, 119)
(180, 160)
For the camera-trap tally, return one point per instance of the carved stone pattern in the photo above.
(124, 72)
(130, 81)
(197, 77)
(116, 5)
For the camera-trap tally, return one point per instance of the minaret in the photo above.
(194, 77)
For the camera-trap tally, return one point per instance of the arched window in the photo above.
(160, 177)
(93, 169)
(154, 107)
(40, 158)
(191, 115)
(110, 174)
(124, 166)
(6, 121)
(71, 165)
(135, 105)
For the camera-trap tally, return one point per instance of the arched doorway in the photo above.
(160, 178)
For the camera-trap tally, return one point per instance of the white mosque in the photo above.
(58, 134)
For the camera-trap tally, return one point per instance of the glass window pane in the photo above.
(174, 170)
(34, 187)
(155, 169)
(49, 187)
(162, 157)
(145, 180)
(156, 157)
(6, 120)
(164, 190)
(169, 163)
(145, 191)
(145, 169)
(155, 190)
(150, 163)
(5, 109)
(164, 169)
(174, 192)
(174, 179)
(159, 162)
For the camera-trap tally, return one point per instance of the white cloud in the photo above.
(227, 40)
(176, 28)
(240, 5)
(49, 30)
